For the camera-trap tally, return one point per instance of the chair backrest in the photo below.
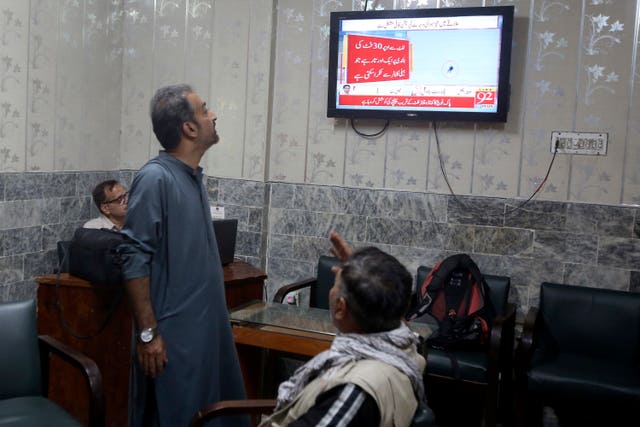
(319, 296)
(20, 355)
(600, 323)
(499, 287)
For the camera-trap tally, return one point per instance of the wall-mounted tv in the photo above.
(421, 64)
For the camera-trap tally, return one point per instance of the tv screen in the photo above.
(424, 64)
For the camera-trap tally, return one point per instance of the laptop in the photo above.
(226, 231)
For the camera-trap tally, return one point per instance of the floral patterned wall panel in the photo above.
(631, 174)
(222, 48)
(61, 84)
(239, 69)
(14, 40)
(603, 97)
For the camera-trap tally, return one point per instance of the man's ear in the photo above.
(189, 129)
(105, 209)
(340, 309)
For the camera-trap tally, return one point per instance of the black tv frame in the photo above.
(507, 13)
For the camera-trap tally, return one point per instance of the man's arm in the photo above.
(340, 248)
(152, 356)
(346, 405)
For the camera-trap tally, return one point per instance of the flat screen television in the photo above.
(447, 64)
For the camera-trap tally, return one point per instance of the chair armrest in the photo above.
(232, 407)
(89, 369)
(284, 290)
(525, 348)
(501, 341)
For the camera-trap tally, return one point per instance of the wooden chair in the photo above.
(24, 372)
(255, 408)
(580, 354)
(487, 372)
(319, 286)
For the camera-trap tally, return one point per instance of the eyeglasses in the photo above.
(121, 200)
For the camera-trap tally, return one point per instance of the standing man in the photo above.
(186, 357)
(110, 197)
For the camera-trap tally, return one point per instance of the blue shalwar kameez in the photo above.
(169, 219)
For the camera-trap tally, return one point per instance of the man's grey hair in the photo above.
(170, 108)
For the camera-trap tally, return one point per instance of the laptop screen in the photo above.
(226, 231)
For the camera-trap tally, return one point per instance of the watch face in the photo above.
(146, 335)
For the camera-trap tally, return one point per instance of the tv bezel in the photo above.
(507, 13)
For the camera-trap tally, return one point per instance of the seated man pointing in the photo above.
(372, 374)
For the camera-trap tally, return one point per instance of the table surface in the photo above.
(295, 318)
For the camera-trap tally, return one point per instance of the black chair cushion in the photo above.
(320, 292)
(34, 411)
(601, 324)
(472, 365)
(20, 354)
(584, 378)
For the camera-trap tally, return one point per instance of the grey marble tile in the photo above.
(414, 206)
(39, 263)
(317, 198)
(12, 214)
(59, 184)
(24, 186)
(360, 201)
(288, 221)
(87, 181)
(241, 213)
(596, 276)
(3, 178)
(565, 247)
(634, 282)
(32, 212)
(126, 177)
(281, 271)
(255, 220)
(533, 271)
(392, 231)
(248, 244)
(503, 241)
(241, 192)
(280, 246)
(53, 233)
(51, 211)
(281, 195)
(212, 187)
(75, 208)
(619, 252)
(19, 291)
(475, 210)
(22, 240)
(536, 215)
(412, 257)
(520, 297)
(443, 236)
(310, 248)
(636, 223)
(601, 220)
(11, 269)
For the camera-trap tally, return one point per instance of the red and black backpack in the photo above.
(456, 294)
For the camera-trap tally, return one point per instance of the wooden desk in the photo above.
(259, 326)
(85, 308)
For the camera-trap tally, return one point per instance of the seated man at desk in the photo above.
(110, 197)
(372, 374)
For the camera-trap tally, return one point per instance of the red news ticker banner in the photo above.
(408, 101)
(377, 59)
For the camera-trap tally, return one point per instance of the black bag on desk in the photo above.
(94, 255)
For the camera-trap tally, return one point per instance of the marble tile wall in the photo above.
(39, 209)
(581, 244)
(283, 229)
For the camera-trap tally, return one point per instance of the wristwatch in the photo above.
(147, 335)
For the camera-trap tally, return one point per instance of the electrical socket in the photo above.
(585, 143)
